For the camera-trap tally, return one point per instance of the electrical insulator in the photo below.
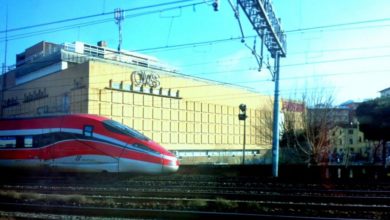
(215, 5)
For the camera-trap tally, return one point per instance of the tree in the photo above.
(307, 132)
(304, 127)
(374, 119)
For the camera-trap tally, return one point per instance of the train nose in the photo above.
(170, 164)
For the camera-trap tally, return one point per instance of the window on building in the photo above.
(350, 141)
(350, 131)
(116, 85)
(127, 87)
(200, 153)
(66, 103)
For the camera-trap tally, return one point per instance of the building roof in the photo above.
(385, 90)
(44, 54)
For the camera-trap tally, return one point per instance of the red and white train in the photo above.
(80, 143)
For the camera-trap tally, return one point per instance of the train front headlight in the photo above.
(170, 164)
(170, 161)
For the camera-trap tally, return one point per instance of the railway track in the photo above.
(71, 212)
(191, 196)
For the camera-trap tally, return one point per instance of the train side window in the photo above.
(45, 139)
(7, 142)
(28, 141)
(143, 147)
(19, 141)
(88, 130)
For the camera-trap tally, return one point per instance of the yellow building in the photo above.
(195, 118)
(348, 145)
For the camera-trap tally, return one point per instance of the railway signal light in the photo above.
(242, 116)
(215, 5)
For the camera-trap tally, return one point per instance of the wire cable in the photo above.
(95, 22)
(92, 16)
(337, 25)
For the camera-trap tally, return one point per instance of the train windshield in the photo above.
(123, 129)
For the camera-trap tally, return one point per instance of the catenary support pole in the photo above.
(267, 25)
(275, 133)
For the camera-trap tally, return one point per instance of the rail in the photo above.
(192, 196)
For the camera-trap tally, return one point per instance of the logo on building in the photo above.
(142, 78)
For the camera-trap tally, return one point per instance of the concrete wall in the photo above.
(53, 89)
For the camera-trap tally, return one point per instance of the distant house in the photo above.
(385, 92)
(348, 144)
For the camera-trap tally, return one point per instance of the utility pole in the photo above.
(264, 21)
(275, 125)
(4, 69)
(119, 17)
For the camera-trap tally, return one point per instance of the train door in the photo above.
(32, 155)
(99, 156)
(69, 151)
(82, 152)
(41, 143)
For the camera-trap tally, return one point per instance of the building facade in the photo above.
(348, 145)
(197, 119)
(385, 92)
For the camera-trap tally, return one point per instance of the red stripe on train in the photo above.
(74, 148)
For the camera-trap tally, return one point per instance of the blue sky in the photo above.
(349, 61)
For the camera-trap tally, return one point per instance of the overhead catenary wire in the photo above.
(196, 76)
(94, 22)
(78, 25)
(340, 49)
(166, 47)
(337, 25)
(191, 44)
(93, 16)
(337, 60)
(206, 43)
(214, 82)
(298, 63)
(177, 2)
